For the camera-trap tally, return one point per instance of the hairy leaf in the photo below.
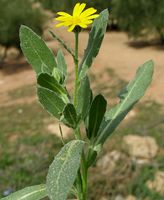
(95, 40)
(128, 97)
(61, 64)
(63, 170)
(37, 53)
(50, 101)
(29, 193)
(49, 82)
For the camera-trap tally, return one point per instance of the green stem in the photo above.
(83, 171)
(76, 61)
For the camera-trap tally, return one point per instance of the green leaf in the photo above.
(57, 74)
(50, 101)
(94, 43)
(49, 82)
(29, 193)
(128, 97)
(61, 64)
(63, 170)
(84, 97)
(70, 116)
(96, 115)
(37, 53)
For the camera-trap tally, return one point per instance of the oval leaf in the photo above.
(70, 116)
(94, 43)
(47, 81)
(36, 51)
(84, 98)
(128, 97)
(50, 101)
(63, 170)
(29, 193)
(96, 115)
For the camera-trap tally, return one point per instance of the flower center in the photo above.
(76, 20)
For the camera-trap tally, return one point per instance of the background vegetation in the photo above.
(13, 14)
(138, 18)
(141, 17)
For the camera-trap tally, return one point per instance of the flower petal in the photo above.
(64, 14)
(62, 18)
(93, 16)
(88, 12)
(81, 8)
(87, 22)
(71, 28)
(76, 9)
(67, 23)
(83, 25)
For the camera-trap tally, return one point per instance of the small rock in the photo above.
(108, 162)
(119, 197)
(130, 197)
(12, 53)
(20, 111)
(54, 128)
(140, 147)
(7, 192)
(130, 115)
(104, 198)
(158, 183)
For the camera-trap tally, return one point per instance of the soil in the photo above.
(116, 53)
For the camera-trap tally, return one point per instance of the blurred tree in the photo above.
(141, 17)
(66, 5)
(13, 14)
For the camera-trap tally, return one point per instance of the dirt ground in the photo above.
(116, 53)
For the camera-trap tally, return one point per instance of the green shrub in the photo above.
(141, 17)
(66, 5)
(13, 13)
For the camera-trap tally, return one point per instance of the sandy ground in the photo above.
(115, 53)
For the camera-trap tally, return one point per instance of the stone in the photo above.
(54, 129)
(130, 197)
(119, 197)
(104, 198)
(130, 115)
(140, 147)
(158, 183)
(108, 162)
(12, 53)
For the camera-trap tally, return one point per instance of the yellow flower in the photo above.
(78, 18)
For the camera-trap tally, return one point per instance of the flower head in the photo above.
(79, 17)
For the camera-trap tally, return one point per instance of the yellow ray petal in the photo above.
(62, 18)
(64, 14)
(88, 12)
(76, 9)
(81, 8)
(87, 21)
(83, 25)
(93, 16)
(68, 23)
(71, 28)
